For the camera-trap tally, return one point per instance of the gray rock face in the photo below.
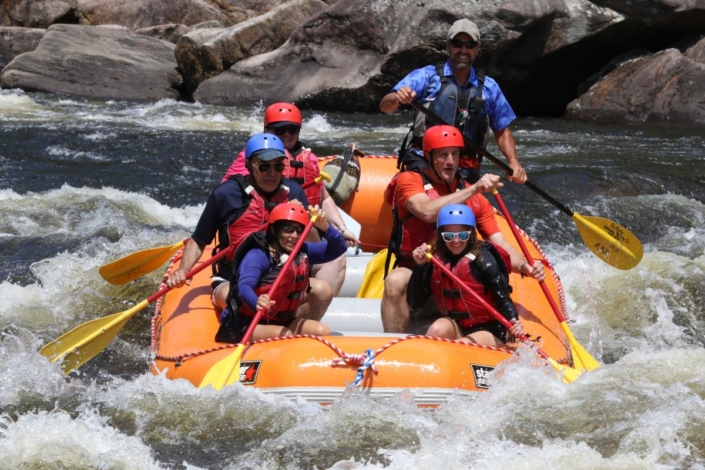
(16, 41)
(204, 53)
(345, 55)
(96, 63)
(667, 86)
(672, 14)
(350, 55)
(166, 32)
(243, 10)
(32, 13)
(136, 14)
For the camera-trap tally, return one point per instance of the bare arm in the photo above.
(328, 205)
(192, 253)
(536, 271)
(427, 209)
(505, 141)
(393, 100)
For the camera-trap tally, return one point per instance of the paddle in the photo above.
(612, 243)
(143, 262)
(372, 286)
(569, 374)
(138, 264)
(582, 358)
(81, 344)
(227, 370)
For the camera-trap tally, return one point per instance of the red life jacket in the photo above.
(253, 214)
(411, 232)
(289, 293)
(302, 169)
(454, 302)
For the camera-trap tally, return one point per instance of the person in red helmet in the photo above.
(416, 196)
(284, 120)
(259, 261)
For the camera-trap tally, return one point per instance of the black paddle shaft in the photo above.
(494, 159)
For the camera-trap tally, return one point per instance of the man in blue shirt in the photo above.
(461, 96)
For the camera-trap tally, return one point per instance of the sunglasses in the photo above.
(289, 229)
(457, 43)
(462, 236)
(264, 167)
(291, 129)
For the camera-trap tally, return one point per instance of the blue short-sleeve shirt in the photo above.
(427, 84)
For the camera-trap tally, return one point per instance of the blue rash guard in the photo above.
(256, 263)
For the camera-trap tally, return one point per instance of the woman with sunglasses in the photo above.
(259, 261)
(482, 266)
(284, 120)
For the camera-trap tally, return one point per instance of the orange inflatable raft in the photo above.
(358, 353)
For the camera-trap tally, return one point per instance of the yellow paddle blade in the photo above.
(372, 286)
(582, 358)
(84, 342)
(138, 264)
(226, 371)
(323, 175)
(611, 242)
(568, 373)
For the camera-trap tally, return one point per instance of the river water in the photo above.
(83, 183)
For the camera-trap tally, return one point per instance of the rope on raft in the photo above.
(343, 359)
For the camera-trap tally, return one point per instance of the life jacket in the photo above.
(252, 215)
(291, 288)
(409, 232)
(454, 302)
(464, 110)
(300, 168)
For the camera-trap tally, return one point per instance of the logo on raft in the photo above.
(249, 371)
(482, 374)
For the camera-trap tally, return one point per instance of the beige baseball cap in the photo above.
(464, 26)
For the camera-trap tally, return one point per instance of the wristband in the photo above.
(521, 270)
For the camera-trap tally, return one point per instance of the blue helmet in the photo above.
(264, 141)
(456, 214)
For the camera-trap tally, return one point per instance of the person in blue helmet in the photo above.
(462, 96)
(481, 266)
(240, 206)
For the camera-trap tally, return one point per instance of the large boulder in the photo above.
(670, 14)
(96, 63)
(350, 55)
(167, 32)
(136, 14)
(204, 53)
(243, 10)
(666, 86)
(15, 41)
(33, 13)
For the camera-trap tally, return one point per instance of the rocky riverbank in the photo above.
(604, 60)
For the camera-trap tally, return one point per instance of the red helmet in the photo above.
(282, 112)
(289, 211)
(442, 136)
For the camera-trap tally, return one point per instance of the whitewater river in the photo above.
(83, 183)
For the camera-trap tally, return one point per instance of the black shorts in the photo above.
(494, 327)
(234, 326)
